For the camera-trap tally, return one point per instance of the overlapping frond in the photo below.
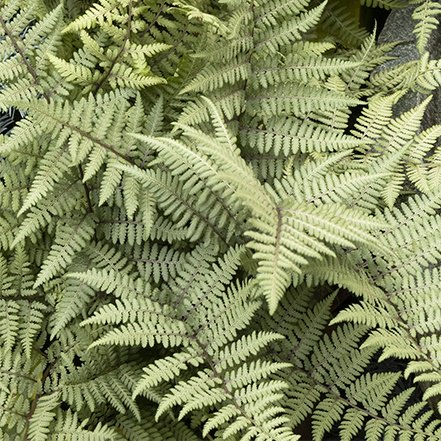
(330, 379)
(183, 187)
(205, 320)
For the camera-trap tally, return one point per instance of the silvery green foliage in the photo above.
(184, 205)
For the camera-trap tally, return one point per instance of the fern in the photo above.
(216, 223)
(220, 314)
(329, 381)
(425, 15)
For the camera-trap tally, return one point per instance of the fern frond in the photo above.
(429, 77)
(111, 281)
(299, 233)
(28, 36)
(69, 240)
(96, 15)
(394, 145)
(167, 428)
(211, 78)
(156, 325)
(9, 322)
(425, 16)
(302, 70)
(158, 263)
(42, 417)
(73, 298)
(69, 427)
(218, 312)
(76, 74)
(288, 31)
(339, 21)
(215, 221)
(283, 101)
(287, 136)
(332, 370)
(352, 189)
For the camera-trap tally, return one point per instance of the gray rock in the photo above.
(398, 27)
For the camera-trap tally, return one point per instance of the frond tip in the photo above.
(299, 233)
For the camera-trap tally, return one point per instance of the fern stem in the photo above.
(86, 189)
(92, 138)
(34, 402)
(20, 51)
(121, 51)
(212, 363)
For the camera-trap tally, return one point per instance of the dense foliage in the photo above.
(214, 224)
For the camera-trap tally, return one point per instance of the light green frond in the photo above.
(167, 428)
(217, 385)
(231, 103)
(29, 36)
(69, 427)
(58, 203)
(104, 255)
(352, 189)
(283, 101)
(166, 369)
(395, 145)
(287, 136)
(340, 22)
(425, 16)
(9, 314)
(243, 348)
(303, 70)
(155, 119)
(288, 31)
(127, 311)
(31, 319)
(74, 296)
(301, 232)
(74, 73)
(367, 315)
(97, 14)
(338, 397)
(92, 386)
(145, 334)
(375, 117)
(46, 178)
(42, 417)
(70, 239)
(217, 222)
(111, 281)
(212, 78)
(429, 77)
